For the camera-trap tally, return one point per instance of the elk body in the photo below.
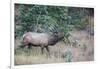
(42, 40)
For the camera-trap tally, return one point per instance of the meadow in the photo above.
(59, 53)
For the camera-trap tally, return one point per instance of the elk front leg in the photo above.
(42, 48)
(29, 46)
(47, 48)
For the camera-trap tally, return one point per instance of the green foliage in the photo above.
(31, 16)
(42, 18)
(80, 24)
(77, 17)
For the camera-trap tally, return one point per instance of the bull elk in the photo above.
(42, 40)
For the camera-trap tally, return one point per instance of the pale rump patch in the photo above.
(36, 38)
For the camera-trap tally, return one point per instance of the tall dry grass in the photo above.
(34, 55)
(61, 52)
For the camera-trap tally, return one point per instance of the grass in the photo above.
(59, 53)
(33, 56)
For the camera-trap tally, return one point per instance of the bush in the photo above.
(80, 24)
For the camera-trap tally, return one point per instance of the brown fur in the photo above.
(42, 40)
